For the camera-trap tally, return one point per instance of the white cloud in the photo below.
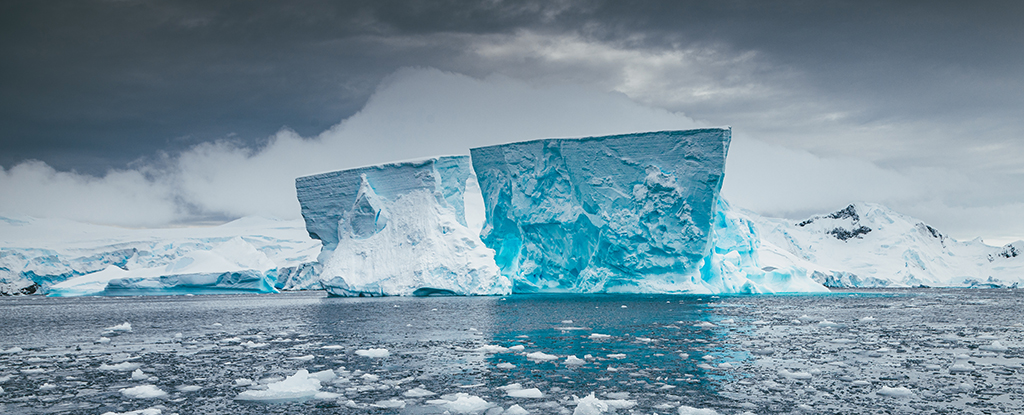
(424, 112)
(123, 197)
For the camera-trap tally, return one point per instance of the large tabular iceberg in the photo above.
(398, 229)
(625, 213)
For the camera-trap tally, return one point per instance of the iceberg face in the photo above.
(398, 229)
(626, 213)
(741, 262)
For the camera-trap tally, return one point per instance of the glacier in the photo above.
(625, 213)
(399, 229)
(60, 257)
(870, 245)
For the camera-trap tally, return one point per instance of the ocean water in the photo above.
(877, 351)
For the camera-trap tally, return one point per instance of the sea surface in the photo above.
(853, 352)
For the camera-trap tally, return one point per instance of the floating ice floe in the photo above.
(515, 410)
(688, 410)
(541, 356)
(376, 353)
(462, 403)
(417, 392)
(795, 375)
(299, 386)
(896, 392)
(490, 348)
(147, 411)
(591, 405)
(120, 367)
(574, 361)
(599, 336)
(123, 327)
(143, 392)
(392, 403)
(995, 346)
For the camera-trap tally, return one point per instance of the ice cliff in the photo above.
(398, 229)
(870, 245)
(625, 213)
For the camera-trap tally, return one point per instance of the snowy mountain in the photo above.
(869, 245)
(63, 257)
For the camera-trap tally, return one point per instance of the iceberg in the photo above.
(624, 213)
(399, 229)
(741, 262)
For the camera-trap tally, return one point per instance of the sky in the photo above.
(153, 113)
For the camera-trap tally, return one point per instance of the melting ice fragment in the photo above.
(143, 392)
(398, 229)
(299, 386)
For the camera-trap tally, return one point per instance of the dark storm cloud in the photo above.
(89, 84)
(923, 99)
(91, 81)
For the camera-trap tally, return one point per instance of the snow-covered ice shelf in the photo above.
(66, 258)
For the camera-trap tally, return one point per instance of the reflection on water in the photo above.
(907, 351)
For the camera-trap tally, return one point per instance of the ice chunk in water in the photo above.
(126, 326)
(373, 353)
(897, 392)
(299, 386)
(398, 229)
(687, 410)
(143, 392)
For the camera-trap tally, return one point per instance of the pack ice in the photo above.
(626, 213)
(66, 258)
(398, 229)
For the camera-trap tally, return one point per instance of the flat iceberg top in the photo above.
(626, 212)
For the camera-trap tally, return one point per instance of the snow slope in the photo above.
(869, 245)
(246, 255)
